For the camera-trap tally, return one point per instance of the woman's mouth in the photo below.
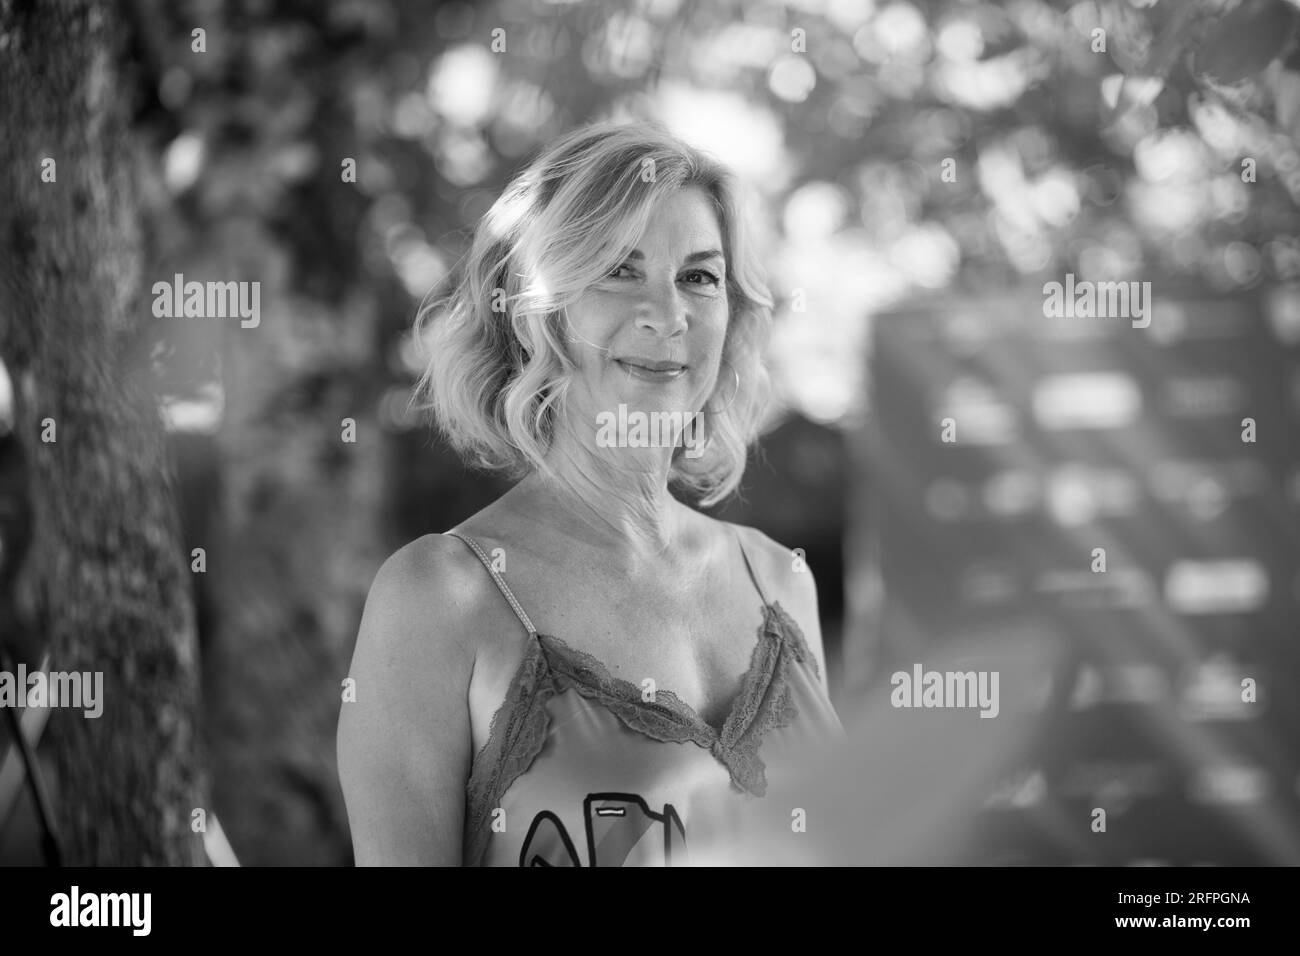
(652, 370)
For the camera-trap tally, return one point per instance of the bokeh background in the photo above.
(918, 170)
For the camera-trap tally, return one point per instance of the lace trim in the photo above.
(667, 718)
(550, 666)
(794, 635)
(770, 710)
(509, 750)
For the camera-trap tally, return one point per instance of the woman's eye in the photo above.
(615, 273)
(702, 277)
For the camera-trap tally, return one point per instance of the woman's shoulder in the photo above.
(432, 593)
(433, 569)
(781, 570)
(764, 552)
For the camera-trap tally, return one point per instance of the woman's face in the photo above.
(650, 333)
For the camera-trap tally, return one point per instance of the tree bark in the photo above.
(109, 584)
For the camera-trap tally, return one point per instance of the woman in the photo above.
(572, 676)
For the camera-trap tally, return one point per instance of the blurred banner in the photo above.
(1127, 486)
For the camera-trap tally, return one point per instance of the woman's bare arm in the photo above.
(404, 745)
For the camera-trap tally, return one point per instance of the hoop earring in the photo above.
(734, 392)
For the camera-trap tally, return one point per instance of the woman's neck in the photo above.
(623, 509)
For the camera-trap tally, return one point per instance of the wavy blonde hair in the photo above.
(498, 368)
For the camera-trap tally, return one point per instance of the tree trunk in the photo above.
(108, 579)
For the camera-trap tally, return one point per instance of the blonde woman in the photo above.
(590, 672)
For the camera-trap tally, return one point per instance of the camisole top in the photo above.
(582, 768)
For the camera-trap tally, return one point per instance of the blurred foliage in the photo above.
(839, 113)
(1122, 162)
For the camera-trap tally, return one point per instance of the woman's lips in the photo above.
(649, 371)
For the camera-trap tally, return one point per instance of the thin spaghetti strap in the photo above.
(500, 581)
(748, 566)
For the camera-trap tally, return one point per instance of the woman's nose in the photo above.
(662, 309)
